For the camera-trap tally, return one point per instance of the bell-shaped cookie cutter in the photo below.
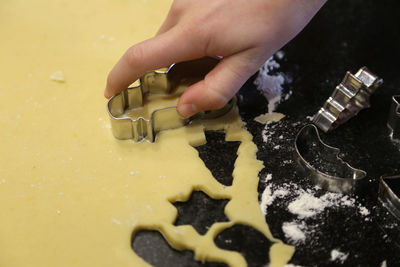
(348, 98)
(164, 83)
(339, 176)
(394, 119)
(387, 195)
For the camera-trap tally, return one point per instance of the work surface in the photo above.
(344, 36)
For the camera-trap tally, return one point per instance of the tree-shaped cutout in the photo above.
(151, 247)
(252, 244)
(219, 156)
(201, 211)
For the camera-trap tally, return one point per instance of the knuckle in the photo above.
(217, 98)
(197, 36)
(177, 8)
(135, 55)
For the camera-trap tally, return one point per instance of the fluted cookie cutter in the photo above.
(323, 164)
(163, 83)
(394, 119)
(348, 98)
(389, 193)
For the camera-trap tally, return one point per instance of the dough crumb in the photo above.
(339, 256)
(58, 76)
(274, 117)
(116, 221)
(363, 210)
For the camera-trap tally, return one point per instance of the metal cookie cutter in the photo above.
(394, 119)
(348, 98)
(332, 173)
(389, 193)
(164, 83)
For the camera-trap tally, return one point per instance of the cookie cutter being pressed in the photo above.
(348, 98)
(394, 119)
(335, 174)
(163, 83)
(389, 193)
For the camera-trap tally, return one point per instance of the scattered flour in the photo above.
(294, 231)
(268, 131)
(307, 205)
(271, 84)
(304, 204)
(268, 177)
(268, 196)
(280, 55)
(266, 199)
(339, 256)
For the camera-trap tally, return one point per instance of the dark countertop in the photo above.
(344, 36)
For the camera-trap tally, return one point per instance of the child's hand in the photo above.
(244, 32)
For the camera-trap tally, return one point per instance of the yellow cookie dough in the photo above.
(71, 194)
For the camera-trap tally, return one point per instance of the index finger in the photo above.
(157, 52)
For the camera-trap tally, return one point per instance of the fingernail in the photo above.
(187, 110)
(106, 95)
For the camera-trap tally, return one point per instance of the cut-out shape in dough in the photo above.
(151, 246)
(219, 156)
(251, 243)
(201, 211)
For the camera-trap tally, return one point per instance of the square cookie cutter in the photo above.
(348, 98)
(162, 83)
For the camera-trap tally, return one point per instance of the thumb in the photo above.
(218, 86)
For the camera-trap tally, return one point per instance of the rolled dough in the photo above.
(72, 195)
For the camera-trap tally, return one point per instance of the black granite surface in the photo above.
(201, 211)
(151, 246)
(344, 36)
(214, 154)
